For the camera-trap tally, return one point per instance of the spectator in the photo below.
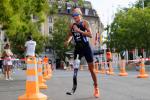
(68, 4)
(7, 55)
(108, 57)
(30, 46)
(45, 60)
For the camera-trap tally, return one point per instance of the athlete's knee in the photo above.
(91, 66)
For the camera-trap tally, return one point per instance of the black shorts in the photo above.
(86, 52)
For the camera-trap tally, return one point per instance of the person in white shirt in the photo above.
(30, 46)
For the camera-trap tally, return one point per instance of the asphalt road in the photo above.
(111, 87)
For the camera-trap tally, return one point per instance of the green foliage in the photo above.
(61, 27)
(130, 29)
(16, 19)
(139, 3)
(79, 2)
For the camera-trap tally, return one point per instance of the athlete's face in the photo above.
(77, 18)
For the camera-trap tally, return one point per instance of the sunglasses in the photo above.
(75, 14)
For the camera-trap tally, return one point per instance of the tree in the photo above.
(130, 29)
(139, 3)
(16, 17)
(61, 27)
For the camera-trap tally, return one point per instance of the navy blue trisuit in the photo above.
(82, 46)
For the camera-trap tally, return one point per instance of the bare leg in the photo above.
(93, 74)
(7, 72)
(10, 70)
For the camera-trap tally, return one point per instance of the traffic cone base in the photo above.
(43, 86)
(110, 73)
(123, 74)
(46, 77)
(81, 67)
(97, 71)
(103, 72)
(142, 70)
(96, 68)
(142, 76)
(37, 96)
(43, 80)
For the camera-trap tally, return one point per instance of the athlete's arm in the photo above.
(68, 37)
(88, 32)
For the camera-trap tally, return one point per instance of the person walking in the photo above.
(80, 31)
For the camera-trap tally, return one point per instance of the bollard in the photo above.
(96, 68)
(45, 76)
(110, 70)
(142, 70)
(102, 71)
(32, 86)
(42, 85)
(122, 69)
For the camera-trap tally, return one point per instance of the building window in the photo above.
(50, 29)
(60, 3)
(50, 19)
(86, 11)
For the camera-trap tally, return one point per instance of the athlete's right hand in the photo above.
(66, 43)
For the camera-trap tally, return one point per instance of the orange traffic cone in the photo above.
(110, 70)
(102, 71)
(42, 85)
(81, 67)
(49, 71)
(142, 70)
(96, 68)
(45, 76)
(122, 69)
(32, 86)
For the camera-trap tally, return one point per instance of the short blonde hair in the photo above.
(77, 10)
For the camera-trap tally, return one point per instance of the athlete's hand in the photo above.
(76, 29)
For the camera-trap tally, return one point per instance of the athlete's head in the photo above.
(77, 15)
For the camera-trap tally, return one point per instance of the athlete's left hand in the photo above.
(76, 29)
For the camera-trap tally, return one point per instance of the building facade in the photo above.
(65, 9)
